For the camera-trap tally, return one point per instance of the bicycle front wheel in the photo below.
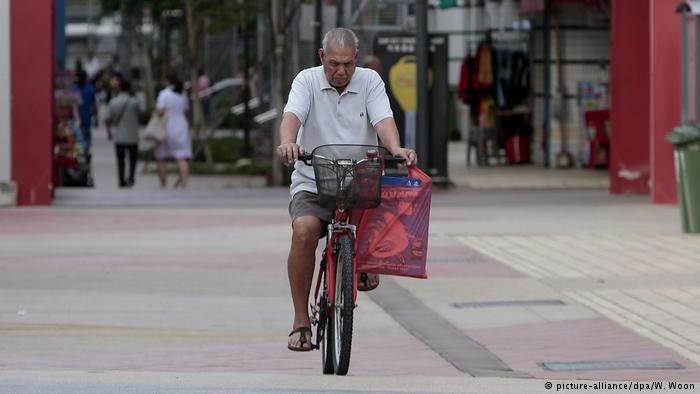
(325, 329)
(344, 304)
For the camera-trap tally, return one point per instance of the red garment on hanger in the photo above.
(464, 87)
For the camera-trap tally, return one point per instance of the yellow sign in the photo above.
(402, 79)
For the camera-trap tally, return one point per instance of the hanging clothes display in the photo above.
(476, 84)
(495, 84)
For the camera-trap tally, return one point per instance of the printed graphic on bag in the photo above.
(393, 238)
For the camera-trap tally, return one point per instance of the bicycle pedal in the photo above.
(314, 313)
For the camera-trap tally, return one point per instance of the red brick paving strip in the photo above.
(523, 346)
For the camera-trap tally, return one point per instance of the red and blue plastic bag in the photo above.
(393, 238)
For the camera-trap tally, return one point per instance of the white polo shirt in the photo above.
(331, 118)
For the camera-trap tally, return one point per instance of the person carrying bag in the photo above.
(155, 128)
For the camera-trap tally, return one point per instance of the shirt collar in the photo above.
(353, 85)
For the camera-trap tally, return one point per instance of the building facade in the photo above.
(636, 46)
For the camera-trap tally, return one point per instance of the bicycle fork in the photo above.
(323, 302)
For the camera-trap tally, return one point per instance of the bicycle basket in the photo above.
(347, 176)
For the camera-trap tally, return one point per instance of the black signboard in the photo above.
(397, 54)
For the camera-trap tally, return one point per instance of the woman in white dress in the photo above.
(173, 104)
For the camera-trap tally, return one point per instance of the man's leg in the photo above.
(162, 173)
(133, 158)
(300, 268)
(120, 150)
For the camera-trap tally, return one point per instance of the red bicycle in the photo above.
(347, 177)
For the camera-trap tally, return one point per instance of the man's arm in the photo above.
(289, 151)
(389, 135)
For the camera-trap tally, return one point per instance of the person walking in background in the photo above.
(203, 84)
(173, 104)
(92, 65)
(123, 128)
(87, 107)
(373, 62)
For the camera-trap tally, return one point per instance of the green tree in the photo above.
(198, 17)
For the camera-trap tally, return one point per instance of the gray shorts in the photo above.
(306, 204)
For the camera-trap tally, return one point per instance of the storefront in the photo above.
(572, 51)
(604, 86)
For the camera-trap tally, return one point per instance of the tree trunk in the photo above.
(126, 39)
(277, 38)
(145, 43)
(194, 23)
(282, 13)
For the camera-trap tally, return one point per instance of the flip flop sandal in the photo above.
(303, 340)
(364, 284)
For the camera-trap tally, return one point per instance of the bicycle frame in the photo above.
(346, 180)
(339, 226)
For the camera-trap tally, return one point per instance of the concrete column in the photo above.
(645, 92)
(5, 120)
(630, 76)
(32, 62)
(665, 96)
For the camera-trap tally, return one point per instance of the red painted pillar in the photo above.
(645, 88)
(32, 63)
(630, 68)
(665, 96)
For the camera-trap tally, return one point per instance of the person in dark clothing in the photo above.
(123, 128)
(87, 107)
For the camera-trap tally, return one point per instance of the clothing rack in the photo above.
(513, 40)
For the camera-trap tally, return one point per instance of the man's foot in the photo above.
(367, 281)
(300, 340)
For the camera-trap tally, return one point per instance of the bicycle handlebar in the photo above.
(307, 157)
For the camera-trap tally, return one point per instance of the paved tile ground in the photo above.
(668, 316)
(523, 347)
(191, 283)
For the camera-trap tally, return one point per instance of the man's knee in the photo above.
(307, 229)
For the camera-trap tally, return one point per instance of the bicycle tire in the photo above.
(342, 319)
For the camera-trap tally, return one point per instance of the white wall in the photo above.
(5, 125)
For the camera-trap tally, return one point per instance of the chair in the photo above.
(478, 139)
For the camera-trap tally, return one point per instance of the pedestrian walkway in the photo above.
(523, 176)
(231, 188)
(147, 190)
(151, 290)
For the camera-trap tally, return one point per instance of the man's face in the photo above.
(338, 64)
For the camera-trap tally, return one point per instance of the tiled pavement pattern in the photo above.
(168, 290)
(646, 283)
(592, 255)
(670, 316)
(193, 282)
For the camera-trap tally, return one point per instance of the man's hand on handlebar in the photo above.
(409, 155)
(289, 153)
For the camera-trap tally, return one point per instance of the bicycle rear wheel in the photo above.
(340, 323)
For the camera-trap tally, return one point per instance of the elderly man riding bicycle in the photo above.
(336, 103)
